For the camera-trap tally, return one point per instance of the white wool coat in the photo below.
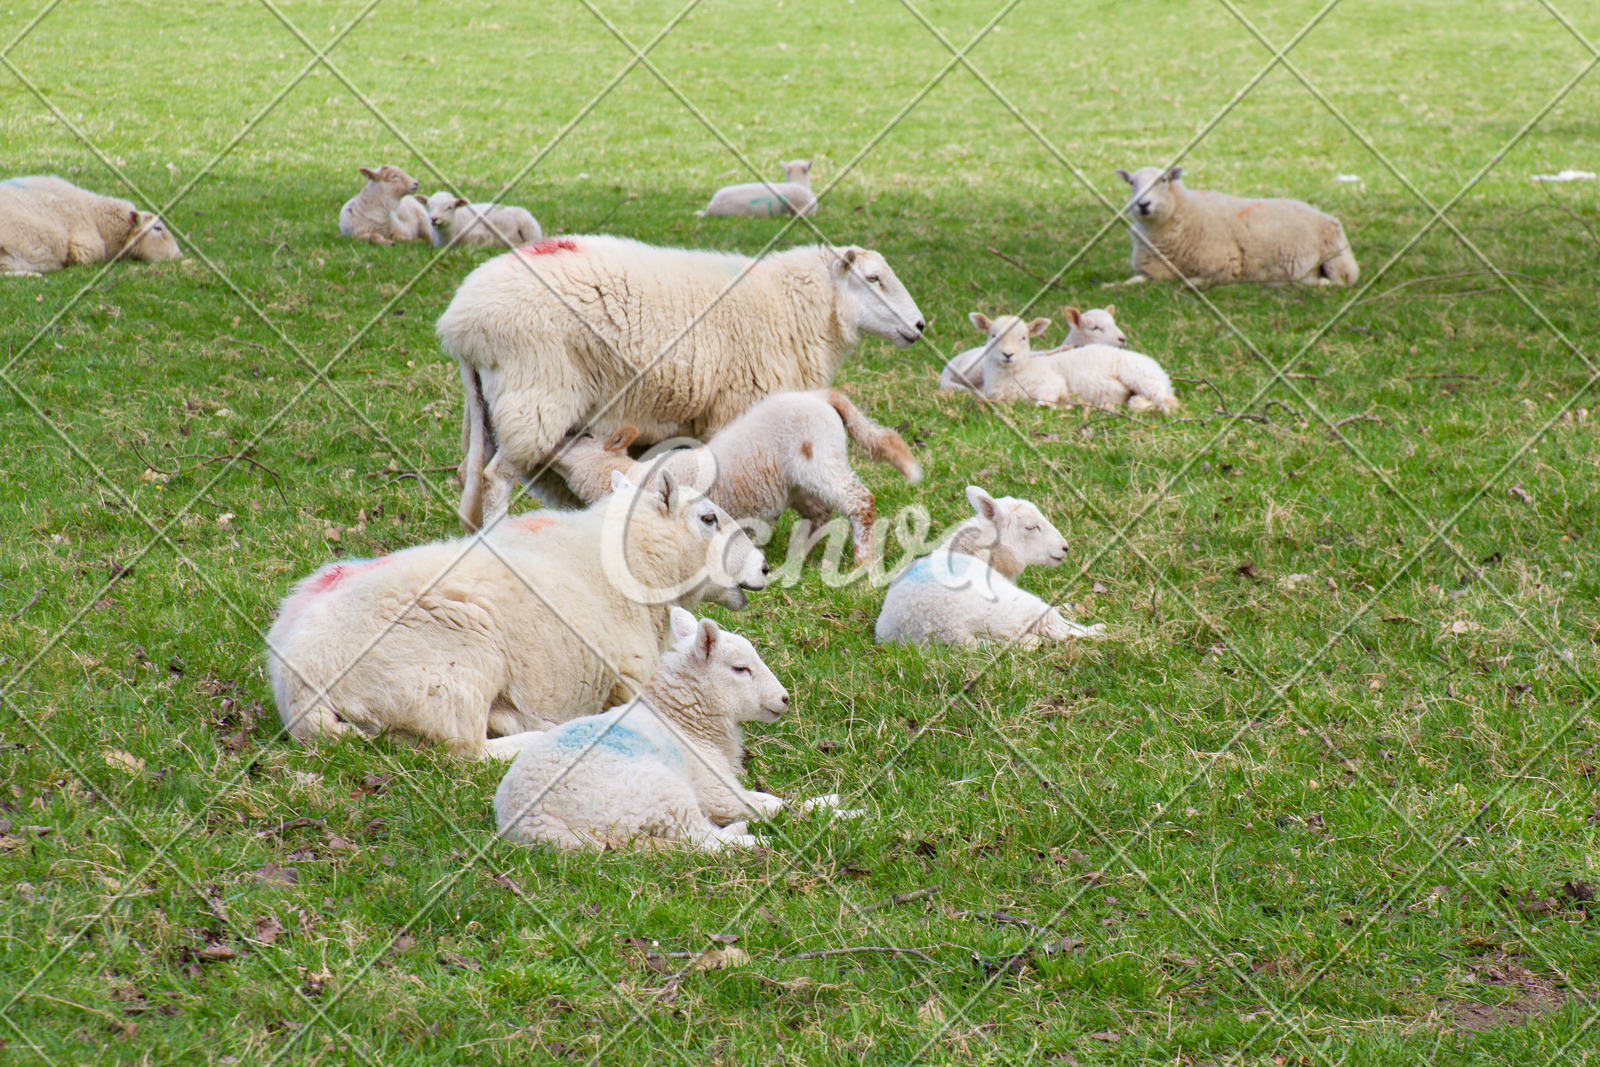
(486, 225)
(1107, 377)
(48, 224)
(793, 196)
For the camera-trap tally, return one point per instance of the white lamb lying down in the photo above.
(47, 224)
(548, 617)
(456, 222)
(663, 766)
(788, 450)
(1013, 371)
(1106, 377)
(1095, 326)
(383, 212)
(962, 593)
(792, 196)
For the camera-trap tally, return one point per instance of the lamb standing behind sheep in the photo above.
(664, 766)
(673, 341)
(383, 212)
(962, 593)
(550, 617)
(791, 197)
(456, 222)
(788, 450)
(47, 224)
(1095, 326)
(1213, 238)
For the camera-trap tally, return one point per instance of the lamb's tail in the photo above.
(878, 442)
(477, 440)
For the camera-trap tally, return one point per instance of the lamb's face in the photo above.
(1151, 199)
(1029, 535)
(152, 242)
(442, 208)
(734, 682)
(1099, 328)
(798, 171)
(1007, 346)
(396, 182)
(881, 304)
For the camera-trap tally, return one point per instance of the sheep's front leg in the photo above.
(509, 746)
(723, 805)
(1057, 628)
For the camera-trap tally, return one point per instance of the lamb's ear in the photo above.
(1111, 309)
(705, 639)
(369, 174)
(621, 438)
(980, 320)
(419, 198)
(133, 219)
(847, 259)
(1037, 327)
(669, 491)
(983, 503)
(1124, 175)
(459, 203)
(1072, 315)
(683, 624)
(806, 166)
(1173, 175)
(620, 481)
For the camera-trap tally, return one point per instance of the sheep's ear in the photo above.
(1124, 175)
(1173, 175)
(805, 165)
(705, 639)
(621, 438)
(1037, 327)
(1111, 309)
(620, 481)
(669, 490)
(459, 203)
(683, 623)
(847, 259)
(1072, 315)
(133, 219)
(369, 174)
(419, 198)
(982, 503)
(980, 320)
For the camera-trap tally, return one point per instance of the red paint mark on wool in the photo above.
(549, 245)
(337, 573)
(535, 522)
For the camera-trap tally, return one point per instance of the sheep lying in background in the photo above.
(790, 197)
(789, 450)
(550, 617)
(1095, 326)
(383, 212)
(664, 766)
(962, 593)
(1013, 371)
(1106, 377)
(47, 224)
(456, 222)
(673, 341)
(1213, 238)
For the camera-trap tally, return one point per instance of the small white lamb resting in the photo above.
(788, 450)
(1011, 370)
(1095, 326)
(456, 222)
(793, 196)
(663, 766)
(383, 211)
(962, 593)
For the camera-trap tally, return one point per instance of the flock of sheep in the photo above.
(578, 352)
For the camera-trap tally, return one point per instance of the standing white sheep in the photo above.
(962, 593)
(1213, 238)
(664, 766)
(788, 450)
(1095, 326)
(673, 341)
(47, 224)
(790, 197)
(456, 222)
(550, 617)
(383, 212)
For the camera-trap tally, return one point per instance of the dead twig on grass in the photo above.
(893, 950)
(1208, 383)
(1002, 917)
(1017, 264)
(34, 599)
(1394, 290)
(903, 898)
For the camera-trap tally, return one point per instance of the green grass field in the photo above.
(1327, 796)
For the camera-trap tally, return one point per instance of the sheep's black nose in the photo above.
(766, 569)
(786, 700)
(921, 325)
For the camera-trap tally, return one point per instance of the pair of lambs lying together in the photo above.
(389, 209)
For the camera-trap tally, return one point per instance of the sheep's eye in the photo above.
(873, 279)
(710, 518)
(1031, 529)
(741, 670)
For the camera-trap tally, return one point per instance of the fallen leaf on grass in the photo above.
(1520, 493)
(1099, 587)
(716, 959)
(402, 943)
(149, 475)
(1578, 890)
(455, 959)
(271, 872)
(1460, 626)
(124, 761)
(1110, 1037)
(216, 952)
(267, 929)
(1247, 569)
(376, 783)
(788, 985)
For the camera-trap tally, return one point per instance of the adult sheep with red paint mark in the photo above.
(477, 639)
(595, 332)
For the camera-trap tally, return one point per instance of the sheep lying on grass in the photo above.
(663, 767)
(789, 450)
(1213, 238)
(1095, 326)
(47, 224)
(792, 196)
(962, 593)
(673, 341)
(384, 212)
(550, 617)
(1106, 377)
(1013, 371)
(456, 222)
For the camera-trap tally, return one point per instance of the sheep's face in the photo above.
(1020, 529)
(1151, 201)
(396, 182)
(882, 308)
(151, 241)
(736, 685)
(1007, 346)
(442, 209)
(798, 171)
(1095, 327)
(667, 543)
